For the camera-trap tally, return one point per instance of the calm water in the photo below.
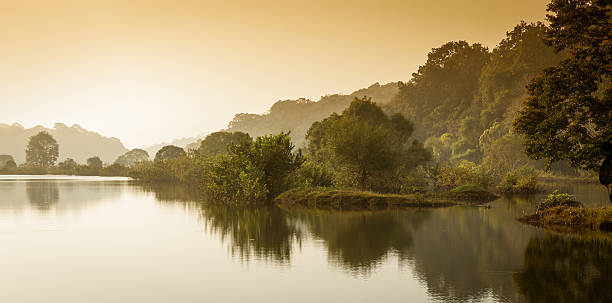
(108, 240)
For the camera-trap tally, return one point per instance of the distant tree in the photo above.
(68, 165)
(568, 114)
(219, 142)
(130, 158)
(42, 150)
(10, 164)
(7, 161)
(169, 152)
(365, 143)
(94, 162)
(441, 93)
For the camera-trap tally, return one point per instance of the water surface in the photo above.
(83, 239)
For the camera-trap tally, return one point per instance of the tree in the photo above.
(568, 114)
(7, 161)
(130, 158)
(169, 152)
(218, 142)
(94, 162)
(369, 146)
(68, 165)
(42, 150)
(253, 171)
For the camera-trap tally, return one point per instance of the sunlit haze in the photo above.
(151, 71)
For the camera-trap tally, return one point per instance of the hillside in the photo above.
(298, 115)
(74, 142)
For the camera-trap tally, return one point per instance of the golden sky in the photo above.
(151, 71)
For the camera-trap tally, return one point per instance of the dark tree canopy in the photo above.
(169, 152)
(219, 142)
(441, 92)
(568, 114)
(366, 143)
(42, 150)
(94, 162)
(132, 157)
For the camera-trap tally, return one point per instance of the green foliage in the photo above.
(556, 199)
(522, 180)
(366, 148)
(218, 142)
(312, 174)
(452, 175)
(296, 116)
(467, 188)
(235, 180)
(42, 150)
(440, 93)
(132, 157)
(169, 152)
(568, 114)
(252, 171)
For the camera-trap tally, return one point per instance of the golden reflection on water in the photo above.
(118, 241)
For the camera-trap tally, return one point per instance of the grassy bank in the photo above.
(327, 198)
(572, 219)
(347, 199)
(563, 213)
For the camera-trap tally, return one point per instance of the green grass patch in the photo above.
(349, 199)
(471, 192)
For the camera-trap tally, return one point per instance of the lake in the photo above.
(95, 239)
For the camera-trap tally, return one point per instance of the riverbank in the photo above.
(326, 198)
(571, 219)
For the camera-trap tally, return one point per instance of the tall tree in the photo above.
(132, 157)
(94, 162)
(366, 143)
(568, 114)
(169, 152)
(42, 150)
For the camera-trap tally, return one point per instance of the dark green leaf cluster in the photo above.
(365, 147)
(253, 171)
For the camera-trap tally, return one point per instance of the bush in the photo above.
(555, 199)
(311, 174)
(522, 180)
(471, 192)
(253, 171)
(453, 175)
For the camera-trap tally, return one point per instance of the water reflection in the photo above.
(43, 195)
(458, 253)
(566, 269)
(359, 241)
(261, 233)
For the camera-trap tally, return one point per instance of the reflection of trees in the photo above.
(263, 232)
(562, 269)
(172, 192)
(359, 241)
(466, 253)
(43, 195)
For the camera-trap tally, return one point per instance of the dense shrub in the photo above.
(556, 199)
(451, 175)
(522, 180)
(311, 174)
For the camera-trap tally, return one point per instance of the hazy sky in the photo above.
(151, 71)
